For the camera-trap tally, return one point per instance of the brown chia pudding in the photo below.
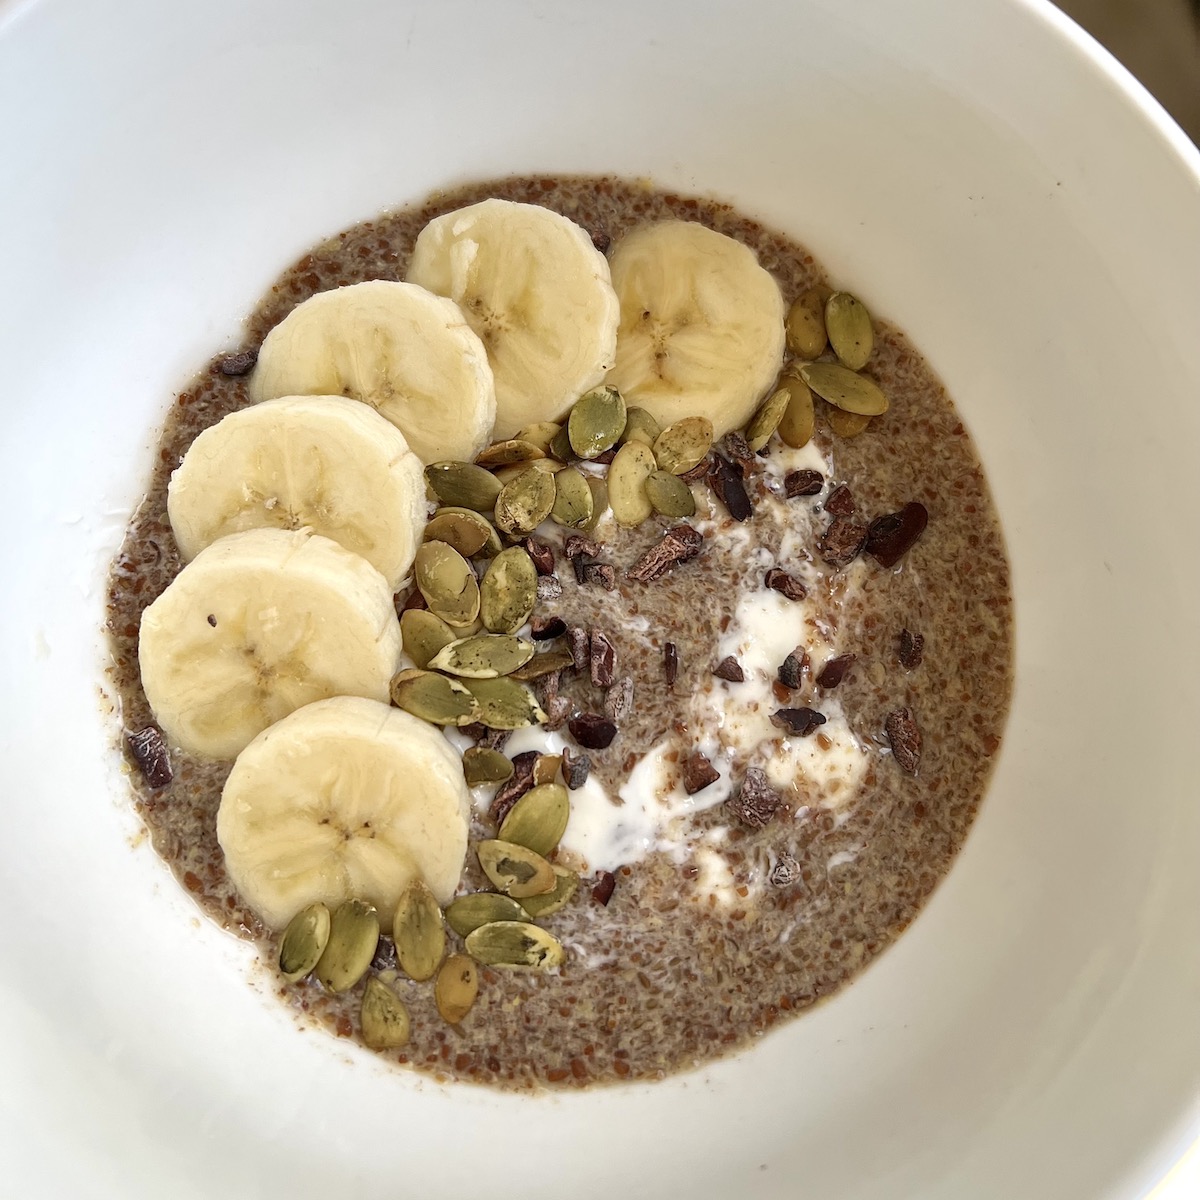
(673, 970)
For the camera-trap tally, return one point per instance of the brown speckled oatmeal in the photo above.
(674, 980)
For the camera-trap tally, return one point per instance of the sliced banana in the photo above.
(322, 462)
(701, 329)
(343, 799)
(537, 292)
(404, 351)
(257, 625)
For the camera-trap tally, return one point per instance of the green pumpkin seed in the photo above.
(524, 503)
(682, 446)
(540, 434)
(669, 494)
(424, 634)
(572, 499)
(502, 454)
(764, 422)
(596, 421)
(516, 870)
(627, 476)
(566, 885)
(508, 591)
(805, 325)
(543, 664)
(484, 656)
(641, 426)
(546, 768)
(845, 424)
(796, 427)
(464, 530)
(599, 490)
(383, 1017)
(353, 937)
(448, 584)
(304, 942)
(505, 704)
(849, 326)
(467, 913)
(514, 944)
(434, 698)
(463, 485)
(418, 932)
(844, 389)
(560, 446)
(482, 764)
(456, 988)
(545, 466)
(538, 819)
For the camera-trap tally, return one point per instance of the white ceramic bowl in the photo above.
(981, 173)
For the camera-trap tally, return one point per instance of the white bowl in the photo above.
(981, 173)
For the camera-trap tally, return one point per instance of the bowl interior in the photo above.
(980, 175)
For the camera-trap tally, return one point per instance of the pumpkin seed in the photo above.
(484, 656)
(546, 466)
(641, 425)
(805, 325)
(447, 583)
(514, 944)
(566, 885)
(540, 434)
(849, 326)
(434, 698)
(482, 764)
(508, 591)
(764, 422)
(546, 767)
(353, 937)
(544, 664)
(560, 446)
(456, 988)
(505, 704)
(844, 389)
(796, 427)
(627, 476)
(467, 913)
(596, 421)
(845, 424)
(383, 1017)
(304, 942)
(424, 634)
(682, 446)
(524, 503)
(572, 499)
(669, 494)
(464, 530)
(516, 870)
(463, 485)
(538, 820)
(418, 932)
(501, 454)
(599, 490)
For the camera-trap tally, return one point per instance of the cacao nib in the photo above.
(677, 545)
(834, 671)
(592, 731)
(385, 954)
(755, 803)
(241, 363)
(577, 546)
(786, 870)
(798, 722)
(905, 739)
(840, 501)
(892, 536)
(546, 629)
(602, 658)
(791, 670)
(842, 542)
(414, 599)
(602, 573)
(150, 753)
(579, 643)
(542, 554)
(699, 471)
(726, 480)
(495, 739)
(912, 649)
(603, 888)
(730, 669)
(575, 768)
(736, 447)
(802, 483)
(618, 701)
(698, 773)
(548, 588)
(671, 663)
(515, 786)
(601, 240)
(785, 584)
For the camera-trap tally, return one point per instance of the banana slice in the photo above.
(407, 353)
(320, 462)
(346, 798)
(701, 330)
(258, 625)
(536, 290)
